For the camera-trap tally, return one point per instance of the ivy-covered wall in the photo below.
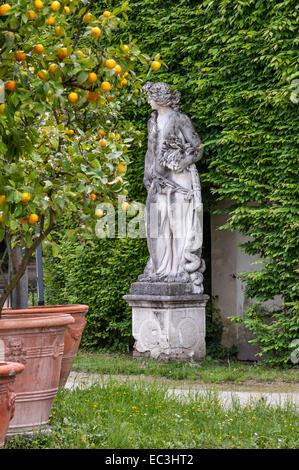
(234, 62)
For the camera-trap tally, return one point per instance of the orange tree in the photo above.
(64, 145)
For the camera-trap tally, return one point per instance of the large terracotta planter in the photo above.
(34, 337)
(72, 336)
(8, 372)
(72, 339)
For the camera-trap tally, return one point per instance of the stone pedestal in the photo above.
(168, 321)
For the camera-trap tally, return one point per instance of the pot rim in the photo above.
(10, 369)
(67, 308)
(33, 320)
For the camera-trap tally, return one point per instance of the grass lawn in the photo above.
(206, 371)
(123, 416)
(117, 413)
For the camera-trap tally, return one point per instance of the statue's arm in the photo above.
(195, 149)
(147, 179)
(148, 164)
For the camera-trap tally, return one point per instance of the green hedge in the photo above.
(98, 274)
(234, 62)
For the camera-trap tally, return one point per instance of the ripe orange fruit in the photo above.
(110, 98)
(2, 198)
(10, 33)
(55, 6)
(126, 48)
(96, 32)
(59, 31)
(105, 86)
(20, 55)
(50, 20)
(125, 74)
(124, 82)
(87, 17)
(156, 65)
(42, 74)
(10, 85)
(4, 9)
(79, 53)
(62, 53)
(23, 221)
(92, 77)
(53, 68)
(92, 97)
(33, 218)
(70, 132)
(106, 14)
(38, 48)
(118, 69)
(101, 132)
(73, 97)
(66, 10)
(31, 14)
(38, 4)
(110, 63)
(121, 168)
(25, 198)
(93, 196)
(103, 143)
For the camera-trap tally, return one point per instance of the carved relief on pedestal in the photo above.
(149, 334)
(188, 333)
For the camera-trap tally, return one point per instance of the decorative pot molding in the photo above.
(15, 350)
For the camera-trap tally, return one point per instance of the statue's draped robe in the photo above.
(174, 232)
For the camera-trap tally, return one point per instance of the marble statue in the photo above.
(168, 302)
(173, 212)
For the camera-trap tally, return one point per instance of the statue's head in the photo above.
(161, 94)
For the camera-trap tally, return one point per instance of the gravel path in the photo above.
(226, 397)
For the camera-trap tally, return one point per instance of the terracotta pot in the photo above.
(72, 336)
(8, 372)
(34, 337)
(72, 339)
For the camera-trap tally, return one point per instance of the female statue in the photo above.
(173, 206)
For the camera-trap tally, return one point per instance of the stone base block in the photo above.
(169, 327)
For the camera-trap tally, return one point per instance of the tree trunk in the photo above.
(19, 296)
(20, 263)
